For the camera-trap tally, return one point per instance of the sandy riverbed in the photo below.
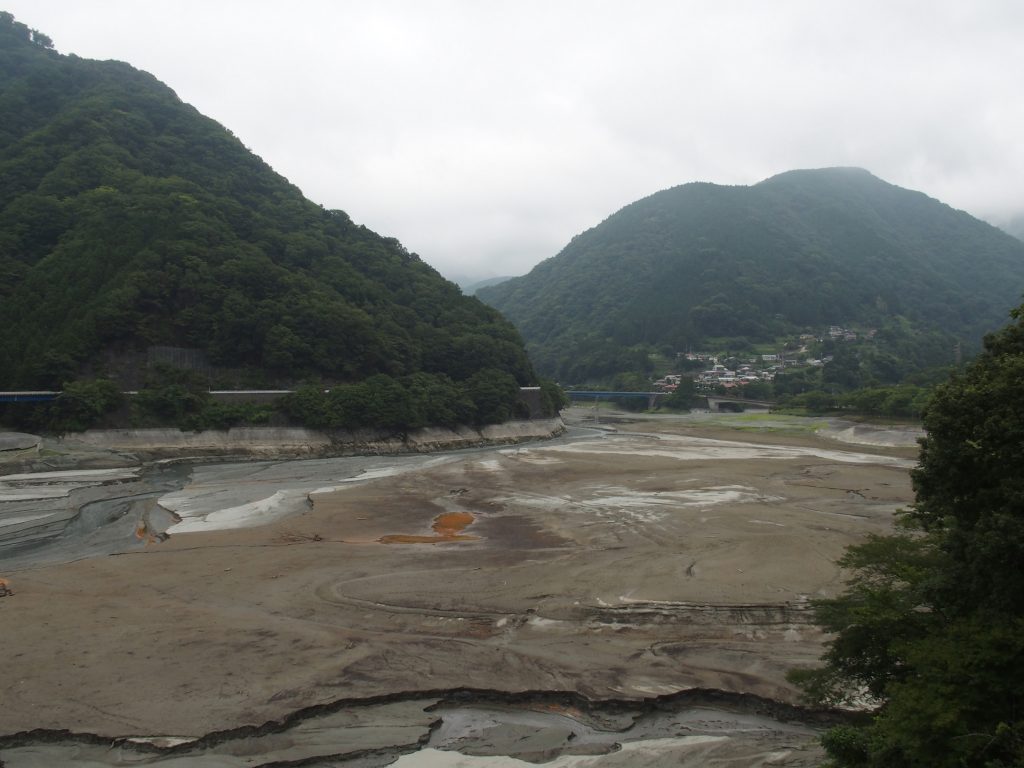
(667, 555)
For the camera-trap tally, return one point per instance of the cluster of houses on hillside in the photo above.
(760, 367)
(718, 375)
(744, 374)
(838, 333)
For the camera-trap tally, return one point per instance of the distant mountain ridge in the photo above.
(800, 250)
(471, 287)
(130, 222)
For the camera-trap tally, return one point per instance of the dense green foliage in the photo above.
(553, 397)
(175, 397)
(81, 405)
(129, 221)
(799, 252)
(682, 398)
(931, 626)
(486, 397)
(168, 397)
(901, 401)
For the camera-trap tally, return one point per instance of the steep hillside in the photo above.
(798, 251)
(130, 222)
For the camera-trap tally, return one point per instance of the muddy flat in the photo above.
(629, 562)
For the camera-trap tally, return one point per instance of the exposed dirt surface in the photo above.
(667, 555)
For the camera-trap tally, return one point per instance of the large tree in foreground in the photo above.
(930, 631)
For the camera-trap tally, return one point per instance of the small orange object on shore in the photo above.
(5, 588)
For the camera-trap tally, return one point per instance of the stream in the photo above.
(474, 729)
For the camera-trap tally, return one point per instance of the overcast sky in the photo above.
(484, 135)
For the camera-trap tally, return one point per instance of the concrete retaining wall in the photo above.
(278, 441)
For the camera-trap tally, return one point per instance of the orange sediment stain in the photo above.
(447, 527)
(140, 530)
(452, 523)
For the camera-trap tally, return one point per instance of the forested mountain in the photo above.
(129, 221)
(703, 264)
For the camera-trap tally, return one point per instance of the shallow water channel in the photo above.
(471, 729)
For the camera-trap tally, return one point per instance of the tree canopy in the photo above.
(931, 626)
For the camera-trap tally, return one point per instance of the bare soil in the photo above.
(665, 556)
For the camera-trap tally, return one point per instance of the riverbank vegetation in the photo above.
(930, 629)
(896, 402)
(176, 398)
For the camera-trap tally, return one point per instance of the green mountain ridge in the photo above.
(129, 221)
(799, 251)
(471, 287)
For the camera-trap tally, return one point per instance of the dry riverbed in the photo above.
(621, 564)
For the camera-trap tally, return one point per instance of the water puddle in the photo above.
(447, 527)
